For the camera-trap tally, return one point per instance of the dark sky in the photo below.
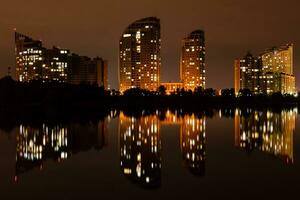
(93, 28)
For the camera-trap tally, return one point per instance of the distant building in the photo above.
(247, 73)
(271, 72)
(56, 65)
(139, 55)
(277, 66)
(172, 87)
(29, 58)
(237, 76)
(192, 66)
(86, 70)
(35, 62)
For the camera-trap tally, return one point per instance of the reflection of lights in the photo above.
(140, 152)
(127, 171)
(35, 144)
(193, 143)
(270, 132)
(142, 156)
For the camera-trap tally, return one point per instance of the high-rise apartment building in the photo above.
(237, 76)
(247, 72)
(277, 65)
(271, 72)
(192, 65)
(29, 58)
(86, 70)
(139, 55)
(56, 65)
(35, 62)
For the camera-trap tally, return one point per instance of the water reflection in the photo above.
(192, 140)
(35, 144)
(140, 149)
(268, 132)
(140, 145)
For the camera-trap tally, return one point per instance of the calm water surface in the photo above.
(252, 154)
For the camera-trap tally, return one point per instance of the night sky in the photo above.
(93, 28)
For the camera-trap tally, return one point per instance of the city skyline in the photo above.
(229, 33)
(140, 62)
(151, 99)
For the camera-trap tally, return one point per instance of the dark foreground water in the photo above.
(252, 154)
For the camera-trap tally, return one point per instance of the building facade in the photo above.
(270, 72)
(139, 55)
(237, 76)
(192, 64)
(35, 62)
(29, 58)
(277, 64)
(56, 65)
(247, 72)
(88, 71)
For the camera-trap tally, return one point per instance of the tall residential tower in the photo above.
(192, 64)
(139, 56)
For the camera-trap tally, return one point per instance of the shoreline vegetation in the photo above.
(61, 99)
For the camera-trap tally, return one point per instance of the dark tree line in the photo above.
(52, 96)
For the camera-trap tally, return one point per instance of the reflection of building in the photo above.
(193, 143)
(35, 62)
(271, 72)
(192, 66)
(139, 56)
(172, 87)
(36, 144)
(267, 131)
(170, 118)
(140, 149)
(140, 145)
